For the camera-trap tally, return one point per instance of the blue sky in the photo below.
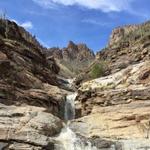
(55, 22)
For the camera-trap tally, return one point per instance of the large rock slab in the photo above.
(116, 108)
(27, 126)
(122, 87)
(126, 125)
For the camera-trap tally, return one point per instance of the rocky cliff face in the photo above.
(11, 30)
(116, 106)
(31, 101)
(112, 112)
(120, 32)
(73, 59)
(127, 45)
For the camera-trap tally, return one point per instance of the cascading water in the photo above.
(70, 107)
(68, 140)
(67, 137)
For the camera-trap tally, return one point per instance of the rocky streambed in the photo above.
(68, 139)
(71, 139)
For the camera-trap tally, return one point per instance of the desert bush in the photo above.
(98, 70)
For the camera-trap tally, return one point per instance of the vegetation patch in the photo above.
(98, 70)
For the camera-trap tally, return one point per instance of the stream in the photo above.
(68, 139)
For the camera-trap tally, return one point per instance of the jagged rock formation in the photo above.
(116, 106)
(110, 111)
(128, 45)
(31, 99)
(11, 30)
(73, 59)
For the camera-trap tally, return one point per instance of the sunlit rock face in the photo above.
(116, 107)
(127, 45)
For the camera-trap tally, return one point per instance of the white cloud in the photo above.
(95, 22)
(103, 5)
(26, 25)
(45, 3)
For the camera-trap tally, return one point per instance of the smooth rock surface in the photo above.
(28, 126)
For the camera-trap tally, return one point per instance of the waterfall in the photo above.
(70, 107)
(68, 139)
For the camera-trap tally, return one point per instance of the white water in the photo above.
(70, 107)
(138, 144)
(70, 141)
(67, 138)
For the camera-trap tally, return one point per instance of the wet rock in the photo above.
(101, 143)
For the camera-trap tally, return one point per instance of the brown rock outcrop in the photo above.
(31, 97)
(73, 59)
(127, 45)
(25, 68)
(116, 107)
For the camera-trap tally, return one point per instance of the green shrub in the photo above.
(98, 70)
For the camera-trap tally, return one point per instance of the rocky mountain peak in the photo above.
(82, 46)
(79, 51)
(71, 45)
(74, 56)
